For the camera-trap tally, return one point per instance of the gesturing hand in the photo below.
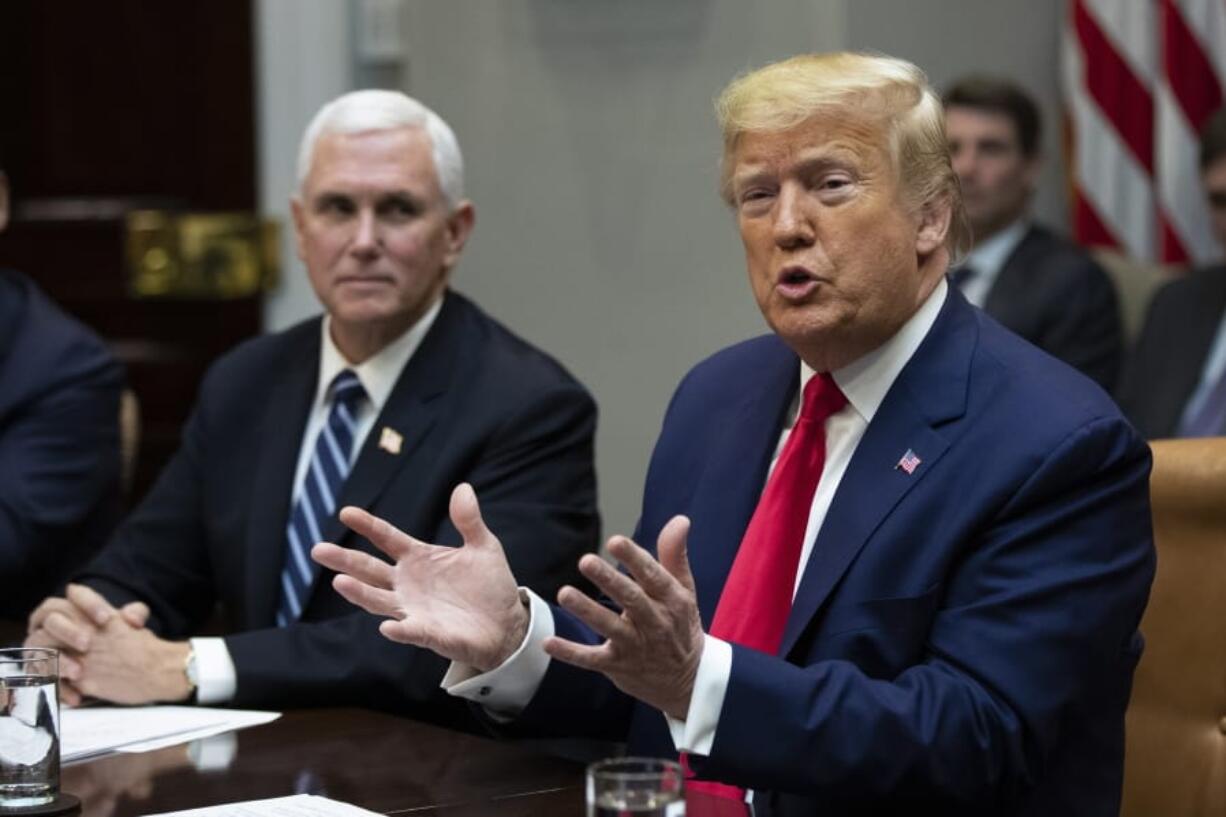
(653, 647)
(462, 603)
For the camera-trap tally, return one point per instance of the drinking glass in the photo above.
(635, 787)
(29, 727)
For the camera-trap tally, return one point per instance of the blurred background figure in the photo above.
(59, 439)
(1175, 381)
(1033, 281)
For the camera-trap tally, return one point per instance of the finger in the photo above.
(371, 599)
(361, 566)
(70, 668)
(595, 615)
(584, 656)
(674, 552)
(135, 613)
(67, 632)
(91, 602)
(69, 695)
(647, 572)
(619, 587)
(383, 535)
(407, 631)
(466, 516)
(50, 605)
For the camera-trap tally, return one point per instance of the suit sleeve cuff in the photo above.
(216, 677)
(505, 690)
(696, 734)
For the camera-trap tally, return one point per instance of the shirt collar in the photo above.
(378, 373)
(865, 381)
(989, 257)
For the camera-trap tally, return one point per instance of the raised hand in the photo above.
(462, 603)
(653, 647)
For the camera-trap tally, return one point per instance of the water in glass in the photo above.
(29, 741)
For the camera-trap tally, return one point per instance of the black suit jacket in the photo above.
(1055, 296)
(59, 444)
(474, 403)
(1166, 363)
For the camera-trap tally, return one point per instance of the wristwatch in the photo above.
(189, 669)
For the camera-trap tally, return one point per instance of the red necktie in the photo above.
(757, 596)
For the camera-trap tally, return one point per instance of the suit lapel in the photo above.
(410, 412)
(733, 478)
(931, 389)
(279, 441)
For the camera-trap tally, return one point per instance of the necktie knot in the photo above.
(822, 398)
(347, 390)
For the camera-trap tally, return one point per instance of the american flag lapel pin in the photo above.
(909, 462)
(390, 440)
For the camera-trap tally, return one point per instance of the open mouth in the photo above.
(795, 275)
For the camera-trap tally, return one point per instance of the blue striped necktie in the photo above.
(317, 497)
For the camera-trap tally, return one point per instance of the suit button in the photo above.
(484, 691)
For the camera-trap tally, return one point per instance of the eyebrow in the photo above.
(839, 158)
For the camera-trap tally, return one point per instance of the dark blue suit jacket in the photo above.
(59, 444)
(964, 637)
(474, 403)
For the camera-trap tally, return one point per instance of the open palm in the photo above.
(461, 603)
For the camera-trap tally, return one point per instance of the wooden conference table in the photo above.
(374, 760)
(379, 762)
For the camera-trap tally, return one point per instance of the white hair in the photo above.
(373, 110)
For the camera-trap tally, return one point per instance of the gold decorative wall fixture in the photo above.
(200, 255)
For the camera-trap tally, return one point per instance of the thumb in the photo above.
(673, 551)
(135, 613)
(466, 516)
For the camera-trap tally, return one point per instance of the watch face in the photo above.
(189, 669)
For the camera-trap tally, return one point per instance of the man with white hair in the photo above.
(895, 556)
(401, 390)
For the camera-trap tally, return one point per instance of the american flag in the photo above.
(909, 462)
(1140, 79)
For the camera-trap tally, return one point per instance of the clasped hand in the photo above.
(106, 652)
(463, 603)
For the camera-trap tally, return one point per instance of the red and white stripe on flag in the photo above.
(1140, 78)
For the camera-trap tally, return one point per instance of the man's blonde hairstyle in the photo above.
(889, 93)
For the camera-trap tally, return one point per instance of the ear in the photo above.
(4, 201)
(459, 227)
(934, 219)
(298, 210)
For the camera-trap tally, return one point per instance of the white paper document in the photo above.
(99, 730)
(297, 805)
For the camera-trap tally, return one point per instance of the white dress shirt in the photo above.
(507, 689)
(988, 258)
(216, 677)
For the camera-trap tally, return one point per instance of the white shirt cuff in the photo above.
(505, 690)
(696, 734)
(216, 678)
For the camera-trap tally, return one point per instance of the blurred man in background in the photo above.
(1036, 283)
(1175, 382)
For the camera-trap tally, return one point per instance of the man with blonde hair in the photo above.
(893, 573)
(401, 389)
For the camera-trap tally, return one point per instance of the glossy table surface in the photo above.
(379, 762)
